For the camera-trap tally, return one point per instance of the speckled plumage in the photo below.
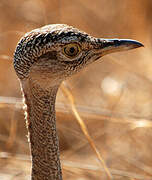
(41, 65)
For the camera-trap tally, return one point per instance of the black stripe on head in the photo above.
(57, 36)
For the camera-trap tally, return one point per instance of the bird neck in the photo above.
(41, 124)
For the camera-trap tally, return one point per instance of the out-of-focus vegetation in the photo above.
(113, 96)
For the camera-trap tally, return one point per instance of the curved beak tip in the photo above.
(131, 43)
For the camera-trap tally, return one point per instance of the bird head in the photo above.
(54, 52)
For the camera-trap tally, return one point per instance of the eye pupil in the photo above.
(72, 50)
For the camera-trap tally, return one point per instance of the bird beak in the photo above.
(107, 46)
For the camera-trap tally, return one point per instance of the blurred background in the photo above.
(112, 96)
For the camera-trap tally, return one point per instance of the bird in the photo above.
(43, 58)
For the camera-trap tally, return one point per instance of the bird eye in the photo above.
(71, 50)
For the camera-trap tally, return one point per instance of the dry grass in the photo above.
(112, 99)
